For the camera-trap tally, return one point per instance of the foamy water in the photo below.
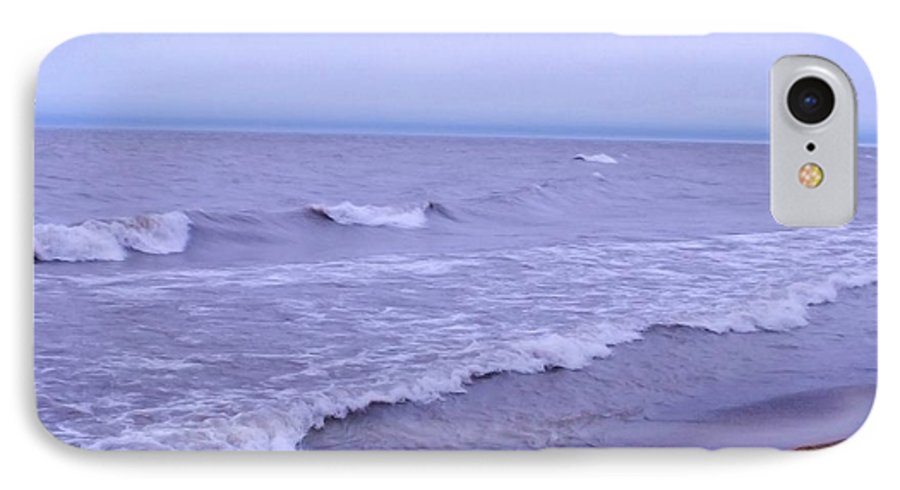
(233, 291)
(156, 234)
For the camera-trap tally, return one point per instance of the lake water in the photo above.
(224, 290)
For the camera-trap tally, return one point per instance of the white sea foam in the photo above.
(268, 428)
(790, 310)
(75, 243)
(555, 350)
(110, 240)
(598, 158)
(347, 213)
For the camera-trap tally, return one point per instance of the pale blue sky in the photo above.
(556, 85)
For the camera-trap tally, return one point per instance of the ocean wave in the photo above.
(111, 240)
(554, 351)
(283, 428)
(347, 213)
(598, 158)
(283, 425)
(168, 233)
(789, 311)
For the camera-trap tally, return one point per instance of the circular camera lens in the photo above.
(810, 100)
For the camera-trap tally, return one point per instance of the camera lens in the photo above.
(810, 100)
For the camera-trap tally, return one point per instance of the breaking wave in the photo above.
(284, 429)
(169, 233)
(347, 213)
(112, 239)
(788, 311)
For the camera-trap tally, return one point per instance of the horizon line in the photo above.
(401, 132)
(862, 140)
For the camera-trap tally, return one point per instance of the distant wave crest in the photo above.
(598, 158)
(347, 213)
(112, 239)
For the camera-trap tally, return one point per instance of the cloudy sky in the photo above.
(556, 85)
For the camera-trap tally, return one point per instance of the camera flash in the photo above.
(811, 175)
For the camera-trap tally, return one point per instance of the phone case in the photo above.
(397, 241)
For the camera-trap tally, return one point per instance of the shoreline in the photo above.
(678, 386)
